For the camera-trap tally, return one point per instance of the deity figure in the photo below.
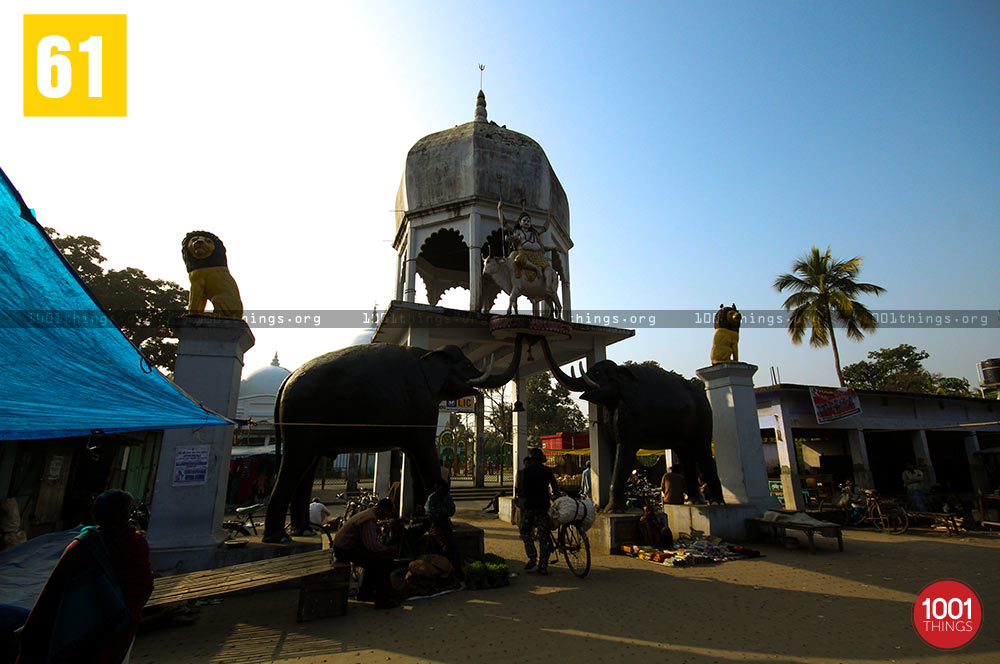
(528, 253)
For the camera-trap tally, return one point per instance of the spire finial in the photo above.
(481, 99)
(274, 362)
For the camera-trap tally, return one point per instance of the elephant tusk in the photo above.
(486, 374)
(583, 375)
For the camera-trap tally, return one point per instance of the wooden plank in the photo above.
(210, 583)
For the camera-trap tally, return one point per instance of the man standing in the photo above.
(913, 480)
(357, 542)
(533, 498)
(585, 483)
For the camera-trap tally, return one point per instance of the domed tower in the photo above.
(446, 209)
(256, 401)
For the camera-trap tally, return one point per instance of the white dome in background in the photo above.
(264, 381)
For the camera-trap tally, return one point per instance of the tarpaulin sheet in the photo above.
(65, 369)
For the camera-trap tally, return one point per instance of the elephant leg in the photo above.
(619, 477)
(689, 466)
(426, 465)
(301, 496)
(294, 464)
(706, 464)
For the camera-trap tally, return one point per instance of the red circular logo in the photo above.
(947, 614)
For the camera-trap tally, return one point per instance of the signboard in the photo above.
(831, 404)
(191, 465)
(463, 405)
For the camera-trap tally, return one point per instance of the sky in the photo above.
(703, 146)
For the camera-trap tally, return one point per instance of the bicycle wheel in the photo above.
(575, 547)
(897, 521)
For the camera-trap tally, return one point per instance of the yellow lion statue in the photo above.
(205, 259)
(725, 344)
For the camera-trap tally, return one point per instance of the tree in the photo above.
(823, 292)
(139, 305)
(901, 369)
(551, 409)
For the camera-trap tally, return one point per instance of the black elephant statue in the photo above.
(648, 407)
(364, 399)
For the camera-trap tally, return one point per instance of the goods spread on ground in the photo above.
(687, 553)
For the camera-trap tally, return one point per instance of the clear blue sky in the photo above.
(703, 146)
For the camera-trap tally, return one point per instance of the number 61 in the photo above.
(47, 61)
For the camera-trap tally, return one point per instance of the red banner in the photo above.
(832, 404)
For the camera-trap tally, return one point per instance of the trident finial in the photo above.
(481, 68)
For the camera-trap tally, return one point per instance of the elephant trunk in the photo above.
(571, 382)
(487, 382)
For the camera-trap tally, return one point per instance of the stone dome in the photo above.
(264, 381)
(462, 163)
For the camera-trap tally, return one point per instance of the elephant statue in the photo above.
(648, 407)
(364, 399)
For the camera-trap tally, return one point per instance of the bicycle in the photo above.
(858, 507)
(572, 542)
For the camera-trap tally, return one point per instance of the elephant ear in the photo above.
(628, 374)
(436, 365)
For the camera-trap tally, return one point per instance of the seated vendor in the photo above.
(654, 529)
(357, 542)
(440, 507)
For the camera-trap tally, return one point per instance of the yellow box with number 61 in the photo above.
(74, 65)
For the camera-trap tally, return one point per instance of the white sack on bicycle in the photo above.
(567, 510)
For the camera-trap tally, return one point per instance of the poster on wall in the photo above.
(191, 465)
(831, 404)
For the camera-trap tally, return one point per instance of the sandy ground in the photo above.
(789, 606)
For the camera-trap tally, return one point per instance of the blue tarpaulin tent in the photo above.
(65, 369)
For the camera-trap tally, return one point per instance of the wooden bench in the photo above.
(777, 529)
(322, 593)
(946, 519)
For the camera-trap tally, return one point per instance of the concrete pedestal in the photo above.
(739, 452)
(185, 526)
(725, 521)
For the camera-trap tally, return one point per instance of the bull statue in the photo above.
(515, 282)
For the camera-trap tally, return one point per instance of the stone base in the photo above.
(725, 521)
(610, 531)
(470, 541)
(167, 561)
(506, 513)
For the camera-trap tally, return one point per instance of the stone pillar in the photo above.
(859, 458)
(977, 471)
(185, 525)
(407, 489)
(922, 454)
(475, 264)
(602, 454)
(383, 466)
(410, 292)
(520, 423)
(739, 451)
(479, 477)
(567, 309)
(400, 275)
(791, 485)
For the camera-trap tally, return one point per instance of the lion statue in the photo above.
(205, 259)
(725, 344)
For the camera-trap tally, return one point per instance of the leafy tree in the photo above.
(823, 292)
(139, 305)
(551, 409)
(901, 369)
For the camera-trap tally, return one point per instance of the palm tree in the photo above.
(823, 292)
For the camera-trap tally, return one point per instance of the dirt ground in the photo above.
(789, 606)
